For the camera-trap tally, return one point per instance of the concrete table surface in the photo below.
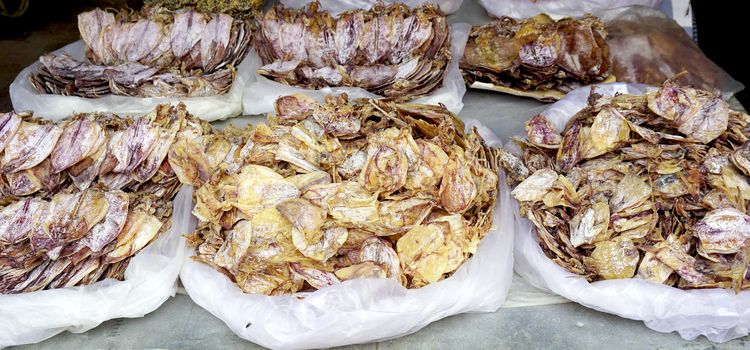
(179, 323)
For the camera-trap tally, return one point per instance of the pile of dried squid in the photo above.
(390, 50)
(152, 53)
(650, 186)
(327, 192)
(537, 57)
(79, 198)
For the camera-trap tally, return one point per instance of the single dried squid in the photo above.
(323, 193)
(390, 50)
(76, 238)
(537, 57)
(650, 186)
(152, 53)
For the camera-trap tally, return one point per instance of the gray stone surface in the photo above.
(180, 324)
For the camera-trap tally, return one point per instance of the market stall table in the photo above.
(530, 319)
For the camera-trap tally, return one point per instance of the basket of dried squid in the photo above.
(349, 222)
(387, 50)
(129, 62)
(91, 218)
(632, 202)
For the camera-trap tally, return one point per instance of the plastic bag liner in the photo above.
(56, 107)
(719, 314)
(338, 6)
(562, 8)
(150, 279)
(362, 310)
(261, 92)
(648, 47)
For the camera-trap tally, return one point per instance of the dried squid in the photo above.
(106, 151)
(651, 186)
(152, 53)
(76, 238)
(390, 50)
(538, 56)
(326, 192)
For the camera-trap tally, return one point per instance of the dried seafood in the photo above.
(234, 7)
(103, 150)
(648, 186)
(390, 50)
(537, 54)
(76, 238)
(153, 53)
(329, 192)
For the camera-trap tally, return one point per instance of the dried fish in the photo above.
(413, 207)
(649, 186)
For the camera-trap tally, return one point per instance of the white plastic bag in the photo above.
(562, 8)
(150, 279)
(56, 107)
(362, 310)
(719, 314)
(262, 92)
(338, 6)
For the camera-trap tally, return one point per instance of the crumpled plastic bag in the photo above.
(56, 107)
(563, 8)
(648, 47)
(338, 6)
(150, 279)
(363, 310)
(719, 314)
(261, 92)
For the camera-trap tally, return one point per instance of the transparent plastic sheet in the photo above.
(571, 8)
(338, 6)
(262, 92)
(363, 310)
(720, 315)
(648, 47)
(150, 279)
(56, 107)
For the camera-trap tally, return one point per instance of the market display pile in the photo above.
(324, 193)
(390, 50)
(650, 186)
(538, 53)
(152, 53)
(79, 198)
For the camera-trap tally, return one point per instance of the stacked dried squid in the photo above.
(78, 199)
(390, 50)
(648, 186)
(152, 53)
(538, 57)
(329, 192)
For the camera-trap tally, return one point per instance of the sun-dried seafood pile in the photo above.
(537, 54)
(150, 154)
(75, 238)
(648, 186)
(152, 53)
(233, 7)
(79, 198)
(329, 192)
(390, 50)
